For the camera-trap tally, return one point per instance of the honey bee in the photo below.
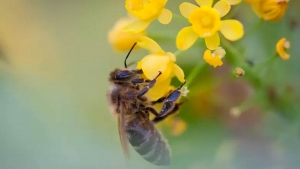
(126, 99)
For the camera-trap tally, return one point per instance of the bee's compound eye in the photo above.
(123, 74)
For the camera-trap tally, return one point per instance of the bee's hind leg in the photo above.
(150, 85)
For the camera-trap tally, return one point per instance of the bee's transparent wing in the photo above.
(122, 134)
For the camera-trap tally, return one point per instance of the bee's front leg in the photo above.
(135, 82)
(150, 85)
(141, 80)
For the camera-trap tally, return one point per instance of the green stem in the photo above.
(159, 36)
(266, 63)
(233, 12)
(254, 28)
(179, 17)
(235, 59)
(194, 73)
(178, 52)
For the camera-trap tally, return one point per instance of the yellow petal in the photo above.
(212, 60)
(223, 7)
(137, 26)
(205, 2)
(172, 56)
(207, 55)
(160, 89)
(165, 16)
(213, 41)
(232, 29)
(234, 2)
(186, 38)
(152, 64)
(186, 8)
(150, 45)
(179, 73)
(281, 46)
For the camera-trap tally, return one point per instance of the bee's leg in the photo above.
(174, 110)
(150, 85)
(136, 81)
(160, 100)
(169, 103)
(139, 71)
(152, 110)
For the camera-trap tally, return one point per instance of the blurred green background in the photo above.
(54, 67)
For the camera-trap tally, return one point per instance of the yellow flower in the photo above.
(215, 58)
(206, 23)
(271, 10)
(281, 47)
(146, 12)
(159, 60)
(120, 39)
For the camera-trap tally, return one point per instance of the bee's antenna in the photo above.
(129, 54)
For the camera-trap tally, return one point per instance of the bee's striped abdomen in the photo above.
(148, 142)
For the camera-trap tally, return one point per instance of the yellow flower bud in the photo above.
(271, 10)
(239, 72)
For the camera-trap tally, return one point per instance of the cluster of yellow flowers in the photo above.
(205, 19)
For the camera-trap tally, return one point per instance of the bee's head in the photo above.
(123, 75)
(120, 74)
